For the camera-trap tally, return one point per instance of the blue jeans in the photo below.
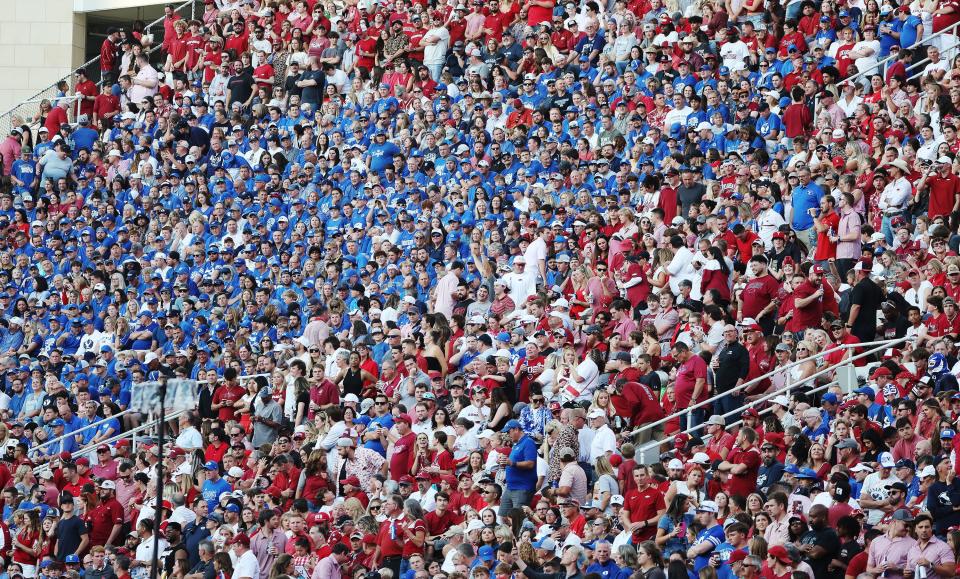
(729, 403)
(886, 226)
(435, 70)
(514, 499)
(693, 420)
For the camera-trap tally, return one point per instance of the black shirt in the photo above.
(827, 539)
(689, 196)
(734, 362)
(240, 87)
(868, 296)
(69, 534)
(311, 94)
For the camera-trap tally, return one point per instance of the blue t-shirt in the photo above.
(805, 197)
(519, 479)
(212, 491)
(714, 536)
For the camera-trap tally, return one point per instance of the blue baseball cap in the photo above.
(830, 397)
(866, 391)
(57, 422)
(947, 433)
(808, 473)
(211, 465)
(71, 559)
(510, 425)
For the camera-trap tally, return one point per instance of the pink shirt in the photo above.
(10, 149)
(935, 551)
(893, 551)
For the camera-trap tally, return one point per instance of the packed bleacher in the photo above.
(658, 289)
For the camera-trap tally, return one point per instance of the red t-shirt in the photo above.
(943, 194)
(643, 506)
(102, 519)
(409, 547)
(538, 14)
(402, 459)
(87, 89)
(757, 294)
(391, 538)
(943, 21)
(746, 482)
(228, 395)
(826, 248)
(687, 375)
(105, 104)
(808, 316)
(438, 524)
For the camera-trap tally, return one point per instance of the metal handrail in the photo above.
(879, 346)
(5, 116)
(113, 439)
(926, 60)
(766, 410)
(147, 426)
(75, 432)
(881, 63)
(768, 375)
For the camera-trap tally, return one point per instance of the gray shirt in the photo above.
(262, 433)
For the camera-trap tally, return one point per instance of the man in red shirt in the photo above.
(105, 107)
(226, 395)
(440, 518)
(758, 300)
(403, 445)
(742, 464)
(808, 298)
(642, 507)
(691, 384)
(944, 189)
(87, 90)
(106, 519)
(391, 538)
(761, 360)
(826, 223)
(108, 57)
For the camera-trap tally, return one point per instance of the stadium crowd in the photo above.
(490, 290)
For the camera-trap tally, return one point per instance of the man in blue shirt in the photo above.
(911, 29)
(521, 470)
(602, 564)
(806, 196)
(214, 486)
(709, 538)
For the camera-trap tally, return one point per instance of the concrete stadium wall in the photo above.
(41, 41)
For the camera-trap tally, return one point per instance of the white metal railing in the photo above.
(952, 29)
(131, 433)
(874, 347)
(6, 118)
(79, 430)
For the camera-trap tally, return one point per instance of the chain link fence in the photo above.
(24, 113)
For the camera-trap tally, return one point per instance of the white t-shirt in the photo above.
(437, 53)
(190, 438)
(247, 566)
(876, 488)
(536, 251)
(604, 440)
(589, 374)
